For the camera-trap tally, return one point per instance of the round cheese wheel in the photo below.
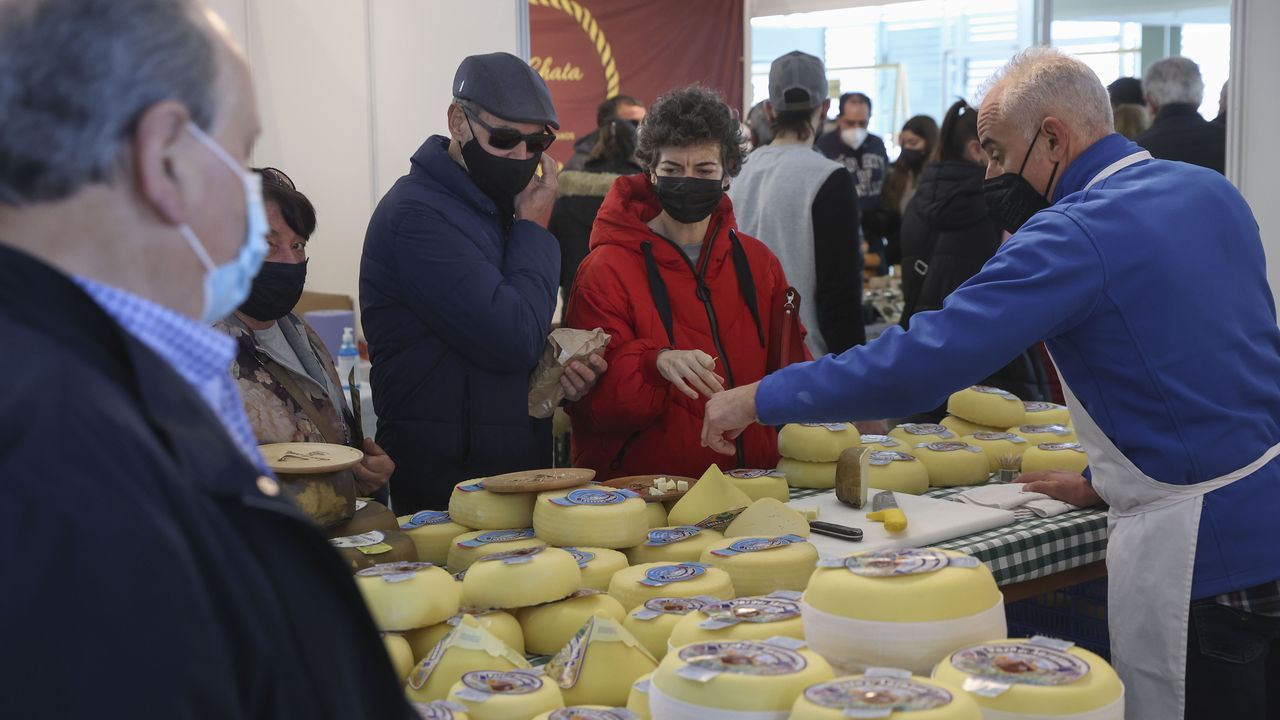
(896, 471)
(885, 694)
(369, 515)
(400, 653)
(653, 622)
(761, 565)
(587, 712)
(505, 695)
(1036, 678)
(655, 514)
(800, 474)
(469, 547)
(638, 700)
(1046, 413)
(817, 442)
(759, 679)
(599, 664)
(673, 544)
(374, 547)
(988, 406)
(883, 442)
(744, 618)
(405, 596)
(502, 625)
(520, 578)
(466, 648)
(432, 532)
(952, 463)
(598, 565)
(912, 434)
(963, 427)
(1037, 434)
(473, 506)
(999, 446)
(760, 483)
(548, 627)
(634, 585)
(599, 516)
(440, 710)
(1068, 456)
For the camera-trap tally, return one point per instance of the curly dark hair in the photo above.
(691, 116)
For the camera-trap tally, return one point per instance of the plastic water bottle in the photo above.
(348, 359)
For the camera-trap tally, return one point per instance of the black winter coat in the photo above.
(1180, 133)
(579, 197)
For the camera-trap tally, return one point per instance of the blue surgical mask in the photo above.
(227, 286)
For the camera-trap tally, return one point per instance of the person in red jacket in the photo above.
(689, 301)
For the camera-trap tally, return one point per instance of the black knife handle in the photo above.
(843, 532)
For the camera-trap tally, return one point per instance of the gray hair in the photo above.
(75, 75)
(1040, 81)
(1174, 80)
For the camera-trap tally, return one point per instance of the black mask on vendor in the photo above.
(688, 200)
(1011, 200)
(276, 290)
(500, 178)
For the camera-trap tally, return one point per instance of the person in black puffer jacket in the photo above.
(947, 238)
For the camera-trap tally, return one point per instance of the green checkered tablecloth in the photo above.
(1031, 547)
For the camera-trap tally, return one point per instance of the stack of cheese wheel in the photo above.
(1000, 447)
(903, 608)
(599, 664)
(469, 547)
(505, 695)
(1037, 678)
(598, 565)
(1068, 456)
(738, 679)
(653, 622)
(878, 443)
(745, 618)
(440, 710)
(684, 543)
(760, 483)
(912, 434)
(432, 532)
(408, 596)
(962, 427)
(634, 585)
(520, 578)
(987, 406)
(952, 463)
(1037, 434)
(466, 648)
(500, 624)
(767, 516)
(473, 506)
(587, 712)
(761, 565)
(712, 496)
(599, 516)
(369, 515)
(638, 700)
(884, 693)
(548, 627)
(896, 471)
(1046, 413)
(810, 450)
(400, 653)
(375, 547)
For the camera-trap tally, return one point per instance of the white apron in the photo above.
(1151, 552)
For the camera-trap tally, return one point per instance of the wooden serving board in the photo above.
(640, 484)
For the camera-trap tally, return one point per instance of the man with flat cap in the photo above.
(458, 284)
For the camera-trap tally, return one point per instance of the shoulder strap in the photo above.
(746, 283)
(658, 288)
(300, 396)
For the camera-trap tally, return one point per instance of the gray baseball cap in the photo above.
(507, 87)
(797, 81)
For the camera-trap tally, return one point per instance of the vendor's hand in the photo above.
(579, 378)
(726, 416)
(539, 196)
(691, 371)
(1060, 485)
(374, 470)
(872, 427)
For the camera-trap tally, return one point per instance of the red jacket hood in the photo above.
(631, 204)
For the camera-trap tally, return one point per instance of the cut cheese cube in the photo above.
(768, 517)
(547, 628)
(988, 406)
(963, 427)
(715, 679)
(638, 700)
(1038, 434)
(520, 578)
(811, 475)
(890, 694)
(598, 516)
(682, 486)
(598, 565)
(505, 695)
(652, 622)
(760, 483)
(953, 463)
(1046, 413)
(473, 506)
(400, 654)
(1000, 447)
(599, 664)
(672, 544)
(759, 565)
(1066, 456)
(469, 547)
(711, 495)
(501, 625)
(897, 471)
(817, 442)
(638, 583)
(432, 532)
(912, 434)
(468, 647)
(745, 618)
(406, 596)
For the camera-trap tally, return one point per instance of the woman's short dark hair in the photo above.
(691, 116)
(959, 126)
(296, 210)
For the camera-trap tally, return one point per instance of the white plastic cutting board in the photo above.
(929, 521)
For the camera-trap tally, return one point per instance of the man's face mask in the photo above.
(1010, 198)
(854, 137)
(503, 178)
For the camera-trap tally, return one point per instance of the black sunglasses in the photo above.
(505, 138)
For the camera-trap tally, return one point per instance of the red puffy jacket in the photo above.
(635, 421)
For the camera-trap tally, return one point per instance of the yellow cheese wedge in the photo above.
(963, 427)
(711, 495)
(912, 434)
(987, 406)
(505, 695)
(547, 628)
(598, 565)
(767, 516)
(599, 664)
(998, 446)
(440, 710)
(400, 654)
(469, 547)
(432, 531)
(800, 474)
(817, 442)
(599, 516)
(739, 675)
(638, 700)
(473, 506)
(638, 583)
(405, 596)
(1036, 678)
(374, 547)
(878, 443)
(1046, 413)
(468, 647)
(897, 471)
(745, 618)
(653, 622)
(759, 484)
(1068, 456)
(520, 578)
(759, 565)
(1037, 434)
(587, 712)
(892, 694)
(953, 463)
(655, 514)
(502, 625)
(672, 544)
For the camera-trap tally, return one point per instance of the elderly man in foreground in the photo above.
(1181, 425)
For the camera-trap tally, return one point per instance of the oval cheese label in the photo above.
(493, 682)
(667, 536)
(394, 572)
(886, 694)
(753, 474)
(497, 536)
(884, 440)
(950, 446)
(888, 457)
(743, 658)
(476, 486)
(1059, 447)
(673, 606)
(586, 713)
(833, 427)
(1045, 430)
(373, 537)
(426, 517)
(998, 436)
(1034, 407)
(897, 561)
(582, 556)
(514, 557)
(668, 574)
(758, 610)
(756, 544)
(1020, 664)
(926, 429)
(438, 710)
(594, 496)
(986, 390)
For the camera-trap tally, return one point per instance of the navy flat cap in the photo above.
(507, 87)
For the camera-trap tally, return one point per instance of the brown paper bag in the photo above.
(563, 347)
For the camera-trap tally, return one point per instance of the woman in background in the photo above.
(918, 139)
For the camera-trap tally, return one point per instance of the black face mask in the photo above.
(1011, 200)
(275, 290)
(913, 159)
(498, 177)
(688, 200)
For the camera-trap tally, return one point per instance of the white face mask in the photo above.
(227, 286)
(854, 137)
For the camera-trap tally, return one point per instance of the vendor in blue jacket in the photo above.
(1147, 280)
(458, 284)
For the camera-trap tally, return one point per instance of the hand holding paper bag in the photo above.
(570, 366)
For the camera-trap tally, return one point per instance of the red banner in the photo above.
(591, 50)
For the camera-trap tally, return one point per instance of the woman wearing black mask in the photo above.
(918, 139)
(285, 374)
